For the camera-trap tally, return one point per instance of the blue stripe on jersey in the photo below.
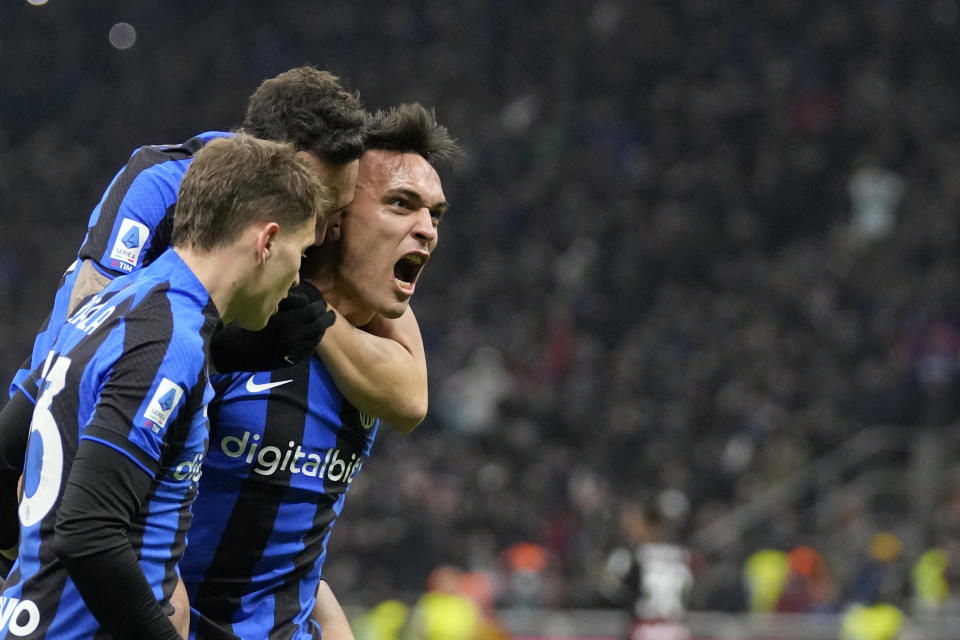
(140, 199)
(274, 480)
(158, 320)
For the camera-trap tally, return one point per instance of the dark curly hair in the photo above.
(410, 128)
(311, 109)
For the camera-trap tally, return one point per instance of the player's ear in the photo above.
(266, 234)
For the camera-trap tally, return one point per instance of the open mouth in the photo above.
(407, 268)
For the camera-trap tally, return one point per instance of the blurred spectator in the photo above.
(528, 575)
(880, 621)
(809, 587)
(384, 621)
(765, 574)
(649, 575)
(882, 576)
(875, 194)
(444, 612)
(932, 588)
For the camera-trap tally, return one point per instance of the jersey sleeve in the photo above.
(150, 388)
(132, 220)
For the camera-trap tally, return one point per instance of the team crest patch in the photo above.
(130, 241)
(366, 421)
(166, 397)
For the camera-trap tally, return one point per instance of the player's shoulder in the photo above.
(167, 294)
(158, 159)
(181, 149)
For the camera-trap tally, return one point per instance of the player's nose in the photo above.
(424, 227)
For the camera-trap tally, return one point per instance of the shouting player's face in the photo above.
(389, 230)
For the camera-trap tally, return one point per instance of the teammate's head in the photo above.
(390, 229)
(256, 199)
(311, 109)
(324, 121)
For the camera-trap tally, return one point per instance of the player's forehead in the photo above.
(388, 171)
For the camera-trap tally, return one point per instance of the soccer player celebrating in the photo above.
(384, 374)
(285, 446)
(119, 430)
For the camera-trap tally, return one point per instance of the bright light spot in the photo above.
(122, 35)
(37, 3)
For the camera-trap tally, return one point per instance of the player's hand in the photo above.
(180, 618)
(291, 335)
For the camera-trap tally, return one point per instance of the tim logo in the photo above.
(165, 398)
(130, 241)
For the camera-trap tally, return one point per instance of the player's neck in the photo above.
(221, 273)
(335, 293)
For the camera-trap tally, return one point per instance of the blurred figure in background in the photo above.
(879, 621)
(882, 575)
(650, 574)
(444, 612)
(764, 575)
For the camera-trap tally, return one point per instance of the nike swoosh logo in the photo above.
(254, 387)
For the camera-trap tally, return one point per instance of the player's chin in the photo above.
(394, 310)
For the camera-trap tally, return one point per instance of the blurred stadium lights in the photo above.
(123, 35)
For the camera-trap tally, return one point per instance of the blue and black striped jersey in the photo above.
(127, 230)
(128, 370)
(284, 449)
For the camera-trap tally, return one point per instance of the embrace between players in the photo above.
(182, 434)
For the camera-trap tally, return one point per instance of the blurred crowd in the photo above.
(692, 247)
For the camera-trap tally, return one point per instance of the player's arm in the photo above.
(89, 282)
(330, 616)
(103, 493)
(114, 470)
(382, 370)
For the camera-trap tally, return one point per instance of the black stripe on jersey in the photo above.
(143, 159)
(220, 593)
(287, 600)
(162, 236)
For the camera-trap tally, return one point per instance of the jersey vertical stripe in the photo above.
(121, 357)
(280, 462)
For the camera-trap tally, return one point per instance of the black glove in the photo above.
(291, 335)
